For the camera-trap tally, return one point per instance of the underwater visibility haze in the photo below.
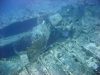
(49, 37)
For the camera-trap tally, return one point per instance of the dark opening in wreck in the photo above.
(16, 28)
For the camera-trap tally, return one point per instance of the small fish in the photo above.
(65, 34)
(98, 70)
